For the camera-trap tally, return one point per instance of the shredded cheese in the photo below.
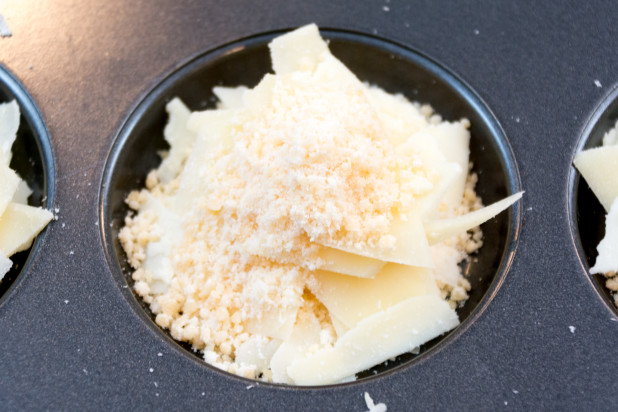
(236, 235)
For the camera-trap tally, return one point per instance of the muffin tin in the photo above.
(538, 333)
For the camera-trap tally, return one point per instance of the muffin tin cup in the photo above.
(33, 160)
(586, 214)
(393, 67)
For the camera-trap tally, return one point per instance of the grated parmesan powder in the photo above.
(229, 232)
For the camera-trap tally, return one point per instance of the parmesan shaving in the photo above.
(599, 167)
(19, 223)
(288, 224)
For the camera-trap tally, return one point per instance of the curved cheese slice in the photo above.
(350, 264)
(305, 334)
(5, 265)
(19, 224)
(599, 166)
(397, 330)
(9, 124)
(351, 299)
(607, 261)
(411, 246)
(454, 143)
(9, 182)
(439, 230)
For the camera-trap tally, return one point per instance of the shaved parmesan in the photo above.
(454, 143)
(9, 123)
(292, 243)
(22, 193)
(379, 337)
(607, 260)
(230, 97)
(338, 261)
(599, 166)
(299, 50)
(306, 333)
(351, 299)
(439, 230)
(9, 182)
(411, 246)
(5, 265)
(19, 224)
(180, 139)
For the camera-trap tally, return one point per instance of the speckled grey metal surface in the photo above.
(68, 338)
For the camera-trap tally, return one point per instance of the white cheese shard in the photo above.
(19, 224)
(611, 137)
(440, 173)
(454, 143)
(350, 299)
(411, 246)
(22, 193)
(439, 230)
(230, 97)
(5, 265)
(180, 139)
(214, 138)
(257, 352)
(599, 166)
(299, 50)
(276, 324)
(9, 182)
(9, 124)
(306, 333)
(607, 260)
(338, 261)
(375, 339)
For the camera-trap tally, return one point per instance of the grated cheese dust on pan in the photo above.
(308, 228)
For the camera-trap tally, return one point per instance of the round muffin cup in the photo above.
(586, 214)
(396, 69)
(33, 161)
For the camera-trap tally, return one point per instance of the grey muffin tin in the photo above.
(543, 334)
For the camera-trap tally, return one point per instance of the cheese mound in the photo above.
(599, 166)
(19, 223)
(308, 228)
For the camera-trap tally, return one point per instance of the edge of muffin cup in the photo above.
(33, 159)
(585, 213)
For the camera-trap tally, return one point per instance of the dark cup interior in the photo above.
(394, 68)
(587, 213)
(32, 160)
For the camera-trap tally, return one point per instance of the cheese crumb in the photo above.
(372, 407)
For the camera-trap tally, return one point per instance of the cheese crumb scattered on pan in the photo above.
(309, 228)
(19, 223)
(599, 167)
(380, 407)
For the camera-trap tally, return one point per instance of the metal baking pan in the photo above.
(537, 333)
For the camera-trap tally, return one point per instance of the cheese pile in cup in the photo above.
(309, 228)
(19, 223)
(599, 166)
